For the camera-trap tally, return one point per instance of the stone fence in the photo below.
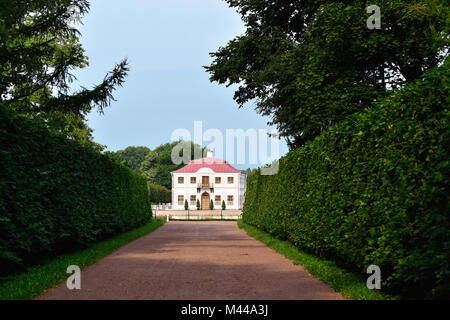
(198, 214)
(162, 206)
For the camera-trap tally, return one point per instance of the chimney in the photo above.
(209, 154)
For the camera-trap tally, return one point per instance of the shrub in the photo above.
(373, 189)
(57, 195)
(211, 205)
(198, 205)
(223, 205)
(186, 205)
(159, 194)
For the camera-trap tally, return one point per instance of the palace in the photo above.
(208, 179)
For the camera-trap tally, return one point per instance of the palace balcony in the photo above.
(209, 186)
(205, 185)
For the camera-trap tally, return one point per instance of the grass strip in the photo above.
(351, 285)
(36, 279)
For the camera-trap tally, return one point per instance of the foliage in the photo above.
(38, 50)
(133, 156)
(373, 189)
(308, 64)
(114, 157)
(351, 285)
(211, 205)
(36, 279)
(159, 194)
(158, 163)
(72, 125)
(224, 206)
(248, 171)
(186, 205)
(198, 205)
(57, 195)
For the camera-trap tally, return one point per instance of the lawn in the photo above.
(351, 285)
(37, 279)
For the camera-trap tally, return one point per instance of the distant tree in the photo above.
(159, 194)
(248, 171)
(72, 125)
(133, 156)
(158, 163)
(115, 157)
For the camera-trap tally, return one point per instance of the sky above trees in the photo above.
(166, 43)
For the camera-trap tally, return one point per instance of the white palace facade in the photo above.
(208, 179)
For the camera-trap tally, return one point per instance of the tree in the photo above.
(72, 125)
(309, 64)
(159, 194)
(38, 51)
(198, 204)
(186, 205)
(158, 163)
(248, 171)
(133, 156)
(211, 205)
(223, 205)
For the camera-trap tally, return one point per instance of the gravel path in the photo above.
(208, 260)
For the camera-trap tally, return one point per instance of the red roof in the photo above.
(215, 164)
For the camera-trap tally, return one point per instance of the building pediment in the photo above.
(205, 170)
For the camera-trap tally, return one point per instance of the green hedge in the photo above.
(57, 195)
(159, 194)
(373, 189)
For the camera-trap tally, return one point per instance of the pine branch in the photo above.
(100, 96)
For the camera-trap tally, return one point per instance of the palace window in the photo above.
(193, 180)
(180, 180)
(180, 200)
(230, 179)
(230, 200)
(217, 200)
(205, 182)
(193, 200)
(218, 180)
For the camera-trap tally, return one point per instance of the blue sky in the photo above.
(167, 43)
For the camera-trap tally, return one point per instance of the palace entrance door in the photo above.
(205, 201)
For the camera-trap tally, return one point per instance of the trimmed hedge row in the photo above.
(159, 194)
(373, 189)
(57, 195)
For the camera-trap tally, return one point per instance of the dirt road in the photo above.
(195, 260)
